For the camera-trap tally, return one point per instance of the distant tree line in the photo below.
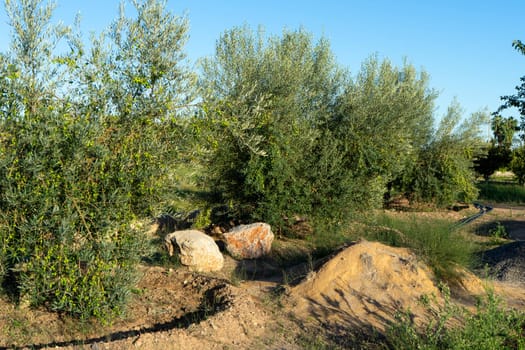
(89, 137)
(504, 149)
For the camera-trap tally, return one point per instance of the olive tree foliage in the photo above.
(33, 41)
(443, 171)
(382, 119)
(264, 100)
(295, 134)
(10, 101)
(77, 166)
(137, 68)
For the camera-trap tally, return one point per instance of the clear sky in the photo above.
(465, 45)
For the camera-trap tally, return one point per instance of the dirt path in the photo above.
(504, 225)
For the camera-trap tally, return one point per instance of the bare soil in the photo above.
(505, 262)
(348, 301)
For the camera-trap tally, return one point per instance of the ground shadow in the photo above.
(514, 228)
(505, 262)
(213, 302)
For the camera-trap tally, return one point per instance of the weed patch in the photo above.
(442, 248)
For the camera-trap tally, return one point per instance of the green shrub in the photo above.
(492, 326)
(498, 232)
(85, 138)
(264, 100)
(496, 158)
(517, 164)
(293, 135)
(443, 171)
(433, 334)
(70, 187)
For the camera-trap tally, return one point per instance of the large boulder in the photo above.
(196, 249)
(249, 241)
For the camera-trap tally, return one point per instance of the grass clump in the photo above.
(498, 233)
(442, 248)
(501, 192)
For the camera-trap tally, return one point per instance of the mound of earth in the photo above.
(364, 286)
(506, 262)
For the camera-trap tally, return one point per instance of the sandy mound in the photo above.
(362, 286)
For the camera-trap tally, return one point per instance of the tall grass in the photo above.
(501, 192)
(434, 240)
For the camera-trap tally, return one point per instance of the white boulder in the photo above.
(196, 250)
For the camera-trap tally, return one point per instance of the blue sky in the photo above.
(464, 45)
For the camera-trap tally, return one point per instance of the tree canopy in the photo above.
(518, 99)
(517, 164)
(296, 134)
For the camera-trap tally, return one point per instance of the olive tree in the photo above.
(265, 98)
(82, 143)
(443, 170)
(295, 134)
(384, 116)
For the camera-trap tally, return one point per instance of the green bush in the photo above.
(292, 135)
(264, 100)
(443, 170)
(499, 232)
(69, 189)
(517, 164)
(85, 139)
(492, 326)
(496, 158)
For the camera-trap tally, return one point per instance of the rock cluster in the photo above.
(201, 253)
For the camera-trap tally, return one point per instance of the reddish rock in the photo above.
(249, 241)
